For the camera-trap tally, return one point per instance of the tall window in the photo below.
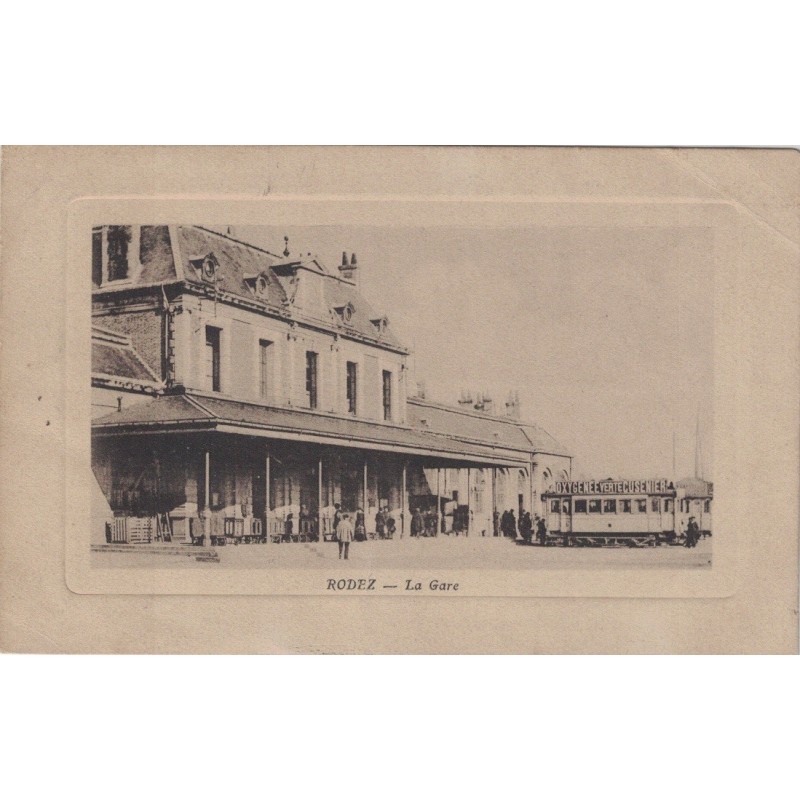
(387, 394)
(352, 386)
(97, 256)
(119, 239)
(263, 368)
(311, 378)
(212, 358)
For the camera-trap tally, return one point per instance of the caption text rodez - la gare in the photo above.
(370, 584)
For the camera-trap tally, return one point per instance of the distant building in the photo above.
(235, 389)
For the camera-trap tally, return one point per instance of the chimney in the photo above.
(512, 405)
(465, 399)
(421, 389)
(488, 404)
(349, 271)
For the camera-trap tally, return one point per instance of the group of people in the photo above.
(424, 524)
(506, 524)
(346, 530)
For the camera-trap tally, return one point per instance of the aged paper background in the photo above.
(748, 602)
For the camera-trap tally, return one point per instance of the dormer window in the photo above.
(259, 284)
(346, 312)
(209, 267)
(381, 324)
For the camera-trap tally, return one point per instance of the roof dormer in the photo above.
(381, 324)
(346, 312)
(259, 284)
(206, 266)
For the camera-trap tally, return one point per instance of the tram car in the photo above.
(637, 513)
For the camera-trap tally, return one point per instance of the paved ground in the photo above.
(438, 553)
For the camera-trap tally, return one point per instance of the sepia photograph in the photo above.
(437, 397)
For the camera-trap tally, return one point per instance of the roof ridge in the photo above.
(110, 337)
(193, 401)
(232, 239)
(469, 411)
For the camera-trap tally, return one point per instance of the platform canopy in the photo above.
(191, 413)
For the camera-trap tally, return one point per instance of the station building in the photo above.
(235, 389)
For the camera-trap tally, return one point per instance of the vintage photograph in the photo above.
(441, 398)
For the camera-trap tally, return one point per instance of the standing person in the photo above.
(541, 531)
(288, 527)
(390, 525)
(512, 525)
(417, 523)
(693, 533)
(337, 517)
(526, 527)
(345, 535)
(496, 523)
(361, 528)
(380, 524)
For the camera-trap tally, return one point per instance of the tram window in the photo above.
(707, 506)
(565, 506)
(555, 506)
(625, 506)
(641, 505)
(580, 506)
(594, 506)
(655, 505)
(667, 505)
(609, 506)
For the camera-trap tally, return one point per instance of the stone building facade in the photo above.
(236, 389)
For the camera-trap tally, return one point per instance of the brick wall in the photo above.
(144, 328)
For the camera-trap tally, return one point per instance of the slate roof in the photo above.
(211, 412)
(113, 355)
(480, 427)
(237, 261)
(240, 264)
(338, 293)
(156, 257)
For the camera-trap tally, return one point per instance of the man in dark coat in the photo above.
(380, 524)
(526, 527)
(541, 531)
(512, 525)
(692, 533)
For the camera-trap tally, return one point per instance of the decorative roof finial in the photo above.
(286, 248)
